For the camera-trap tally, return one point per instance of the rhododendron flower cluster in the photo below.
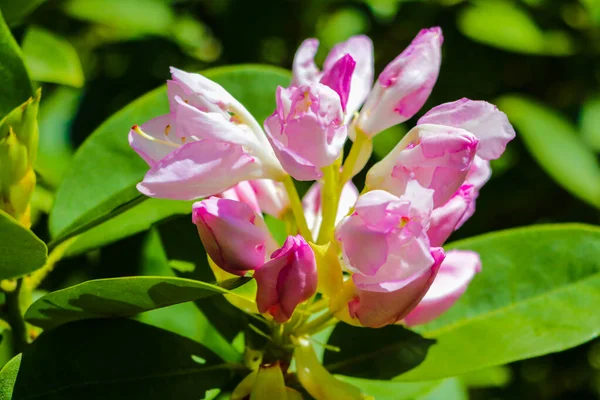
(374, 258)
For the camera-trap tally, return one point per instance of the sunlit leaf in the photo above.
(51, 58)
(16, 86)
(119, 297)
(536, 294)
(21, 251)
(590, 122)
(505, 25)
(556, 146)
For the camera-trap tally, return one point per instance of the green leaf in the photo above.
(590, 122)
(56, 115)
(506, 26)
(8, 377)
(119, 297)
(391, 390)
(51, 58)
(115, 359)
(93, 188)
(15, 11)
(382, 354)
(138, 219)
(538, 293)
(185, 318)
(497, 376)
(132, 16)
(16, 86)
(448, 389)
(556, 146)
(21, 252)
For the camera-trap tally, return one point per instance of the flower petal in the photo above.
(484, 120)
(199, 169)
(153, 151)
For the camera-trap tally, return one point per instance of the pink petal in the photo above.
(153, 151)
(455, 274)
(304, 68)
(377, 309)
(450, 216)
(339, 76)
(199, 169)
(404, 85)
(482, 119)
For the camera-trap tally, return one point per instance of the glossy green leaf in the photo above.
(115, 359)
(448, 389)
(132, 16)
(138, 219)
(119, 297)
(590, 122)
(391, 390)
(93, 188)
(185, 318)
(537, 293)
(55, 117)
(556, 146)
(497, 376)
(382, 354)
(16, 86)
(8, 377)
(15, 11)
(507, 26)
(21, 252)
(51, 58)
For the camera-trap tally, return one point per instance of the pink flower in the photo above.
(206, 144)
(360, 48)
(450, 216)
(384, 242)
(377, 309)
(306, 130)
(234, 236)
(454, 275)
(438, 157)
(404, 85)
(262, 195)
(484, 120)
(288, 279)
(311, 203)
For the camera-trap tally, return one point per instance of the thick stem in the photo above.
(15, 318)
(297, 207)
(315, 325)
(361, 140)
(36, 278)
(330, 196)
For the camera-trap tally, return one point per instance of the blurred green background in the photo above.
(536, 59)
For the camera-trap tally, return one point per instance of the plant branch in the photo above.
(15, 318)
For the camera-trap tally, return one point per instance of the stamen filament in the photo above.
(143, 134)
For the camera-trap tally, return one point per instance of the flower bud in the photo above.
(311, 203)
(206, 144)
(18, 150)
(384, 242)
(482, 119)
(359, 48)
(288, 279)
(375, 309)
(404, 85)
(438, 157)
(235, 237)
(456, 272)
(262, 195)
(307, 130)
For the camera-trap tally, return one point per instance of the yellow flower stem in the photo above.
(360, 141)
(330, 197)
(315, 325)
(36, 278)
(297, 207)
